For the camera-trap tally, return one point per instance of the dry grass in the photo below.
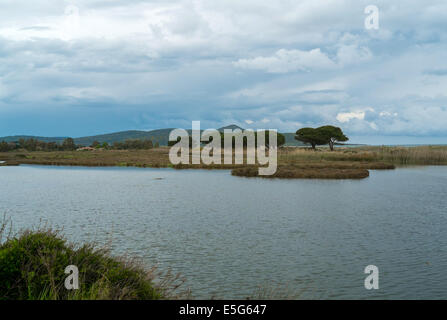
(290, 172)
(295, 155)
(292, 162)
(423, 155)
(159, 157)
(102, 158)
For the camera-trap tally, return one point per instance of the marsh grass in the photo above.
(343, 163)
(306, 155)
(423, 155)
(159, 157)
(292, 172)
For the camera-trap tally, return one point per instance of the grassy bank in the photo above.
(102, 158)
(32, 266)
(285, 172)
(423, 155)
(344, 163)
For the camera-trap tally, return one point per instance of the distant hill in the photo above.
(231, 127)
(290, 137)
(161, 136)
(290, 140)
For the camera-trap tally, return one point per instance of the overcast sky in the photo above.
(83, 67)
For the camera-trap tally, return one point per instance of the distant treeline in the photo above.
(134, 144)
(36, 145)
(69, 145)
(280, 139)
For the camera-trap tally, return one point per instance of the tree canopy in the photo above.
(310, 136)
(321, 136)
(191, 142)
(130, 144)
(280, 139)
(69, 144)
(332, 135)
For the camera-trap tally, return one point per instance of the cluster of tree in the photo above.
(69, 145)
(98, 145)
(191, 142)
(7, 146)
(36, 145)
(325, 135)
(281, 140)
(329, 135)
(133, 144)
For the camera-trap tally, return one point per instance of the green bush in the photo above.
(32, 267)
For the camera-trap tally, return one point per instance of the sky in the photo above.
(85, 67)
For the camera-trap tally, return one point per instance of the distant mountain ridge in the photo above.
(160, 136)
(231, 127)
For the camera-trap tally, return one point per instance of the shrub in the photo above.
(32, 267)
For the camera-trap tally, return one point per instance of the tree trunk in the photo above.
(331, 145)
(313, 146)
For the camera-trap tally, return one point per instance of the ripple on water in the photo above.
(229, 235)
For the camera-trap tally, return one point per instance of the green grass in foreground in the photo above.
(32, 266)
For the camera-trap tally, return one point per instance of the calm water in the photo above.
(228, 235)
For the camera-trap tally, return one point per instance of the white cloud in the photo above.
(196, 58)
(373, 126)
(388, 114)
(352, 54)
(344, 117)
(284, 61)
(348, 116)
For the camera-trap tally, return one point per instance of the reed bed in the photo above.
(423, 155)
(292, 162)
(291, 172)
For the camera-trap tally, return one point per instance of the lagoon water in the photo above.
(229, 235)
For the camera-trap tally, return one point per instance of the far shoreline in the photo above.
(293, 162)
